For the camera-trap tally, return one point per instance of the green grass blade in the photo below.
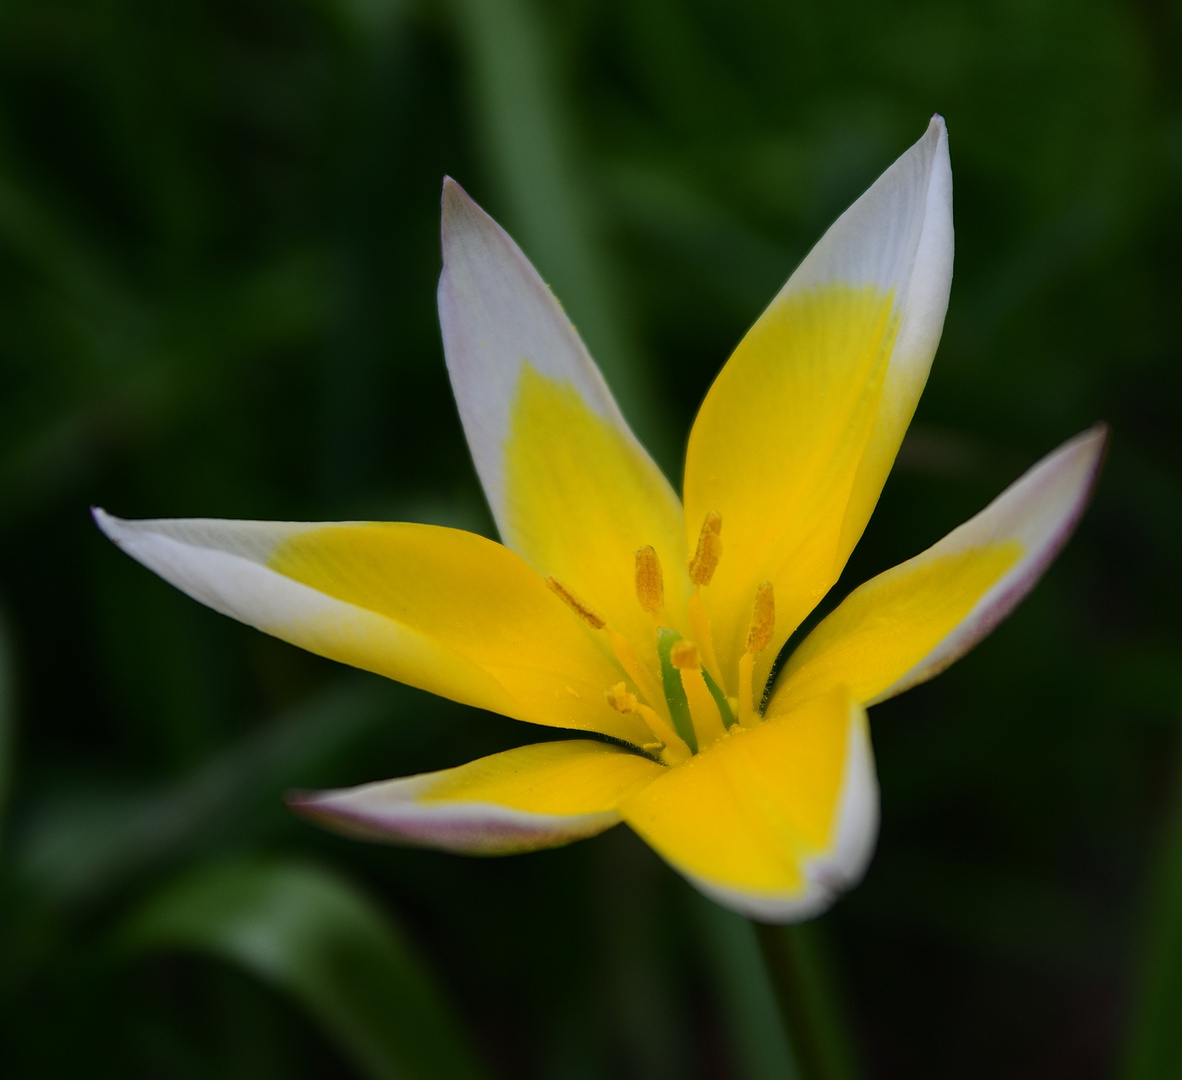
(312, 935)
(1154, 1050)
(7, 718)
(747, 998)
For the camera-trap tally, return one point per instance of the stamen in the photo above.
(579, 606)
(763, 618)
(699, 626)
(709, 551)
(650, 583)
(633, 666)
(621, 699)
(674, 751)
(759, 637)
(702, 705)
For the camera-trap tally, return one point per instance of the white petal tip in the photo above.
(110, 526)
(453, 190)
(1096, 437)
(461, 213)
(389, 812)
(937, 133)
(1040, 511)
(1075, 467)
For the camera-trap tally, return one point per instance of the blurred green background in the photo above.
(218, 256)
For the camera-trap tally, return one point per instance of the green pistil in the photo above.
(679, 711)
(724, 706)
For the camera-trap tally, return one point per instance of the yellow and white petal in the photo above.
(571, 489)
(441, 609)
(534, 797)
(911, 622)
(773, 821)
(796, 436)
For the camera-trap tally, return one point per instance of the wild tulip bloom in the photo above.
(613, 608)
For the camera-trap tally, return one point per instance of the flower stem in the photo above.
(810, 1009)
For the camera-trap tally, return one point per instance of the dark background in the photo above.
(218, 256)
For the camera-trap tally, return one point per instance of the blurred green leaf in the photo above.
(1154, 1050)
(7, 718)
(739, 265)
(364, 22)
(82, 845)
(311, 934)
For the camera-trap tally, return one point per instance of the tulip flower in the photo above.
(652, 625)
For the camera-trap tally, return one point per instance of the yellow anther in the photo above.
(650, 584)
(672, 749)
(621, 699)
(579, 606)
(684, 656)
(759, 637)
(709, 551)
(763, 618)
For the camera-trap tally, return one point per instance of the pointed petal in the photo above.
(910, 623)
(534, 797)
(773, 821)
(571, 489)
(444, 610)
(794, 441)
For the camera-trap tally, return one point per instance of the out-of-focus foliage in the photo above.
(308, 933)
(218, 251)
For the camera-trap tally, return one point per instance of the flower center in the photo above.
(686, 709)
